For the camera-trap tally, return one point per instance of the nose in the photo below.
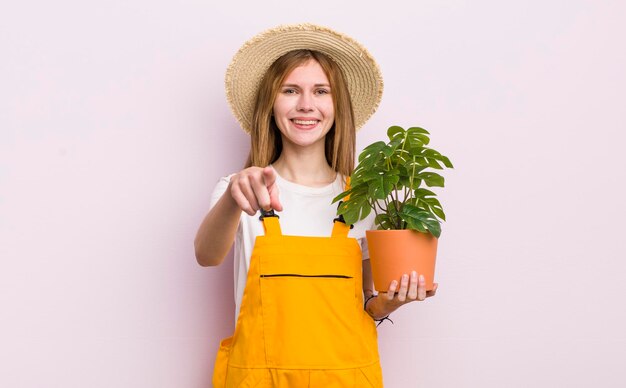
(305, 103)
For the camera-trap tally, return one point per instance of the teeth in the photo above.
(305, 122)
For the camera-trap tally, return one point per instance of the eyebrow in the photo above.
(297, 86)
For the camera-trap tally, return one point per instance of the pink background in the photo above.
(114, 130)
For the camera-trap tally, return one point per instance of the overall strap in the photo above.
(270, 223)
(340, 228)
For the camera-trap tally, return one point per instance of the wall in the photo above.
(114, 129)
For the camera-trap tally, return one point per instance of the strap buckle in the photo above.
(267, 213)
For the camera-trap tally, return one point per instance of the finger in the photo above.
(260, 192)
(392, 290)
(246, 188)
(412, 295)
(241, 200)
(274, 200)
(433, 291)
(269, 178)
(421, 288)
(404, 286)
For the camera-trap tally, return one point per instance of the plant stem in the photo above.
(373, 206)
(413, 172)
(386, 204)
(374, 203)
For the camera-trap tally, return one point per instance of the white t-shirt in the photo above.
(307, 211)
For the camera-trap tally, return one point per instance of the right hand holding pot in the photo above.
(412, 288)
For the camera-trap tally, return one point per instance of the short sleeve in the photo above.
(370, 225)
(364, 248)
(219, 190)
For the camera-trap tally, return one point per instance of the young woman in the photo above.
(300, 281)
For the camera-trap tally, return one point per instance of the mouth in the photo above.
(305, 124)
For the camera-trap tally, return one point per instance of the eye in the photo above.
(322, 91)
(289, 91)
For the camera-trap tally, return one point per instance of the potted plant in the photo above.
(390, 179)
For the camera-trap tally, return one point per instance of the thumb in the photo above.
(269, 176)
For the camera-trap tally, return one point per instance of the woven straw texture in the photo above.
(250, 63)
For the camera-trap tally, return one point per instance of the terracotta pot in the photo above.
(397, 252)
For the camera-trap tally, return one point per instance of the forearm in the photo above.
(217, 231)
(372, 304)
(376, 307)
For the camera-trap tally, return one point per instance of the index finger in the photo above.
(269, 176)
(261, 192)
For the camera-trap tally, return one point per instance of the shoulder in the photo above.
(220, 188)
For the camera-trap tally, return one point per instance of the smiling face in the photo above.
(303, 108)
(270, 107)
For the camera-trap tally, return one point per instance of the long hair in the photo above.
(266, 141)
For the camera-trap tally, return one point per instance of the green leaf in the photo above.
(383, 221)
(395, 131)
(357, 176)
(355, 191)
(434, 206)
(417, 225)
(371, 161)
(395, 143)
(429, 152)
(446, 161)
(410, 182)
(417, 136)
(423, 193)
(415, 166)
(420, 161)
(400, 157)
(381, 187)
(412, 211)
(414, 130)
(362, 174)
(341, 196)
(433, 163)
(433, 227)
(438, 212)
(404, 181)
(388, 151)
(419, 219)
(371, 175)
(431, 179)
(354, 209)
(372, 151)
(418, 140)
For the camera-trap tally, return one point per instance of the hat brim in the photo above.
(248, 66)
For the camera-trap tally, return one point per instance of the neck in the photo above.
(305, 166)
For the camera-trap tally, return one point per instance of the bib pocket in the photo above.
(309, 320)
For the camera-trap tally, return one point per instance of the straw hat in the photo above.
(250, 63)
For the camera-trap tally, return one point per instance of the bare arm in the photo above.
(217, 231)
(248, 191)
(368, 282)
